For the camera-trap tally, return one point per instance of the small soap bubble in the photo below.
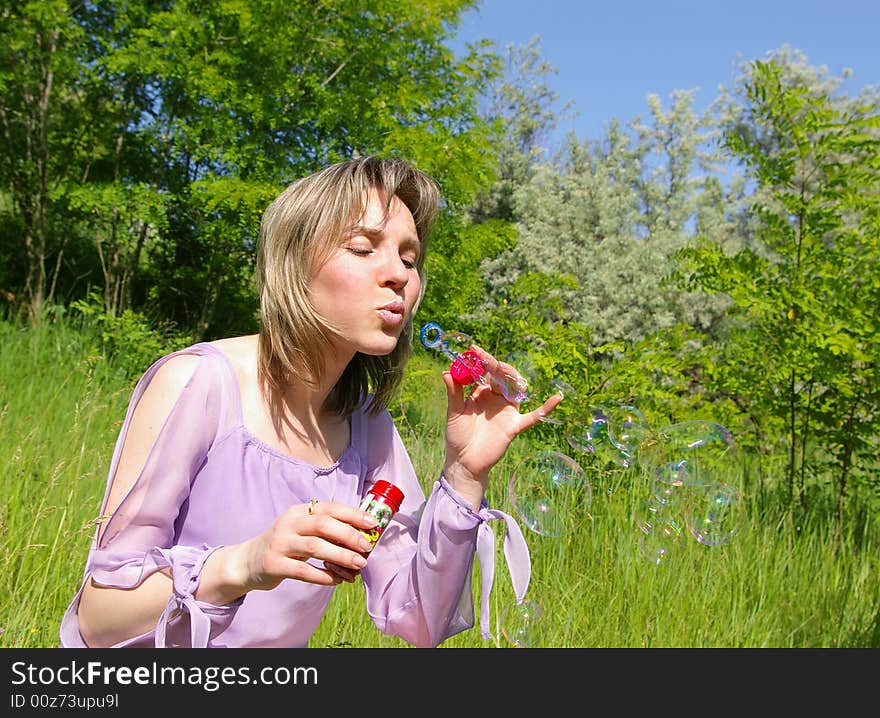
(664, 496)
(714, 513)
(658, 537)
(450, 343)
(566, 412)
(592, 431)
(590, 435)
(674, 473)
(523, 624)
(467, 368)
(550, 492)
(627, 428)
(524, 364)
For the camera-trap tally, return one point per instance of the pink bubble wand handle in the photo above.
(467, 367)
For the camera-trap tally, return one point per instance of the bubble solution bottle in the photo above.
(382, 502)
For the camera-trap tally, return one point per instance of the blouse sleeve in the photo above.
(418, 576)
(139, 537)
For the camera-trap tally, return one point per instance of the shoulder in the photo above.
(241, 354)
(203, 367)
(173, 372)
(164, 383)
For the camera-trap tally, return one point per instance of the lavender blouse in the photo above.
(207, 482)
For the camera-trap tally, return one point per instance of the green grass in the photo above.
(779, 582)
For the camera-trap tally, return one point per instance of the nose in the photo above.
(394, 272)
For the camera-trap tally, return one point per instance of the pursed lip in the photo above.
(394, 307)
(392, 314)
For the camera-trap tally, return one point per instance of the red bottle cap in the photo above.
(389, 492)
(467, 368)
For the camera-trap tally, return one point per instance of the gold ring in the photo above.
(312, 505)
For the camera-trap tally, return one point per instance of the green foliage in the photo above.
(455, 284)
(520, 105)
(803, 349)
(213, 130)
(163, 131)
(611, 214)
(131, 340)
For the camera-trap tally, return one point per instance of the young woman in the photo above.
(231, 508)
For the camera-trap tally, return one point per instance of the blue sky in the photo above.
(610, 55)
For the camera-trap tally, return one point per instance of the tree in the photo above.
(40, 105)
(803, 349)
(611, 213)
(518, 104)
(169, 125)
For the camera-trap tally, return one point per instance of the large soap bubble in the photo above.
(550, 493)
(627, 429)
(690, 453)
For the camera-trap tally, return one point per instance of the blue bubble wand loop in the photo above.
(467, 367)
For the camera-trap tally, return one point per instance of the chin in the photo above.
(379, 349)
(379, 341)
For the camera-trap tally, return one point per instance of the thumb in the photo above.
(454, 395)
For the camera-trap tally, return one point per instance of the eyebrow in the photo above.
(411, 240)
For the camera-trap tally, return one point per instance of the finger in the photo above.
(536, 415)
(304, 571)
(343, 513)
(346, 574)
(334, 540)
(490, 363)
(454, 395)
(303, 548)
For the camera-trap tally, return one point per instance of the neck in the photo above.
(299, 407)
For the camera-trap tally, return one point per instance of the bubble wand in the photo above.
(467, 368)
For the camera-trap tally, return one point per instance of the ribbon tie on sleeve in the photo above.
(186, 565)
(516, 552)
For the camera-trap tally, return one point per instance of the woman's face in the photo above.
(369, 286)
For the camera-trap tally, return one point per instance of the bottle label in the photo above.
(381, 512)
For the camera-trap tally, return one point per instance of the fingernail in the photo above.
(365, 544)
(359, 561)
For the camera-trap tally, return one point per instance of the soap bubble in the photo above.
(550, 492)
(467, 368)
(590, 435)
(523, 624)
(593, 431)
(627, 429)
(524, 364)
(451, 343)
(690, 453)
(565, 413)
(674, 473)
(714, 513)
(540, 389)
(659, 535)
(664, 496)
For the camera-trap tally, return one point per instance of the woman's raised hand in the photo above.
(480, 427)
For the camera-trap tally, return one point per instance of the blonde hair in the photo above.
(298, 231)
